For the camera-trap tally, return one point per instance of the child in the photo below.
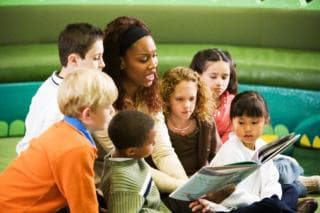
(218, 70)
(126, 181)
(188, 113)
(80, 45)
(57, 169)
(249, 114)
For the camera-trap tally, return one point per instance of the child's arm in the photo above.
(163, 154)
(103, 139)
(215, 141)
(237, 199)
(75, 179)
(270, 184)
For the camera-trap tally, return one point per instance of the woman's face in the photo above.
(140, 63)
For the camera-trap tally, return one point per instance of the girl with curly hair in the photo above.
(188, 113)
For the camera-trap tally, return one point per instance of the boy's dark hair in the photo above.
(249, 103)
(77, 38)
(129, 128)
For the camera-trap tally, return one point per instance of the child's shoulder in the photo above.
(128, 174)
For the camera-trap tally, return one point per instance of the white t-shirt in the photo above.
(260, 184)
(43, 111)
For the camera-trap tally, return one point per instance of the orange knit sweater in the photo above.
(55, 171)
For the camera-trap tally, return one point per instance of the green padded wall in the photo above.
(265, 66)
(291, 24)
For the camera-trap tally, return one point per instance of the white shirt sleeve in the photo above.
(260, 184)
(43, 112)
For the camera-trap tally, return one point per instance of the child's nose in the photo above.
(101, 63)
(187, 104)
(247, 128)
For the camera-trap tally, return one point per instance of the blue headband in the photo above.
(132, 35)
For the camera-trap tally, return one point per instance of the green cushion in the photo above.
(281, 130)
(268, 130)
(15, 100)
(289, 24)
(4, 129)
(16, 128)
(265, 37)
(265, 66)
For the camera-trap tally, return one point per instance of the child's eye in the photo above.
(97, 58)
(225, 77)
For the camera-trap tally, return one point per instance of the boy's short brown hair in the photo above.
(77, 38)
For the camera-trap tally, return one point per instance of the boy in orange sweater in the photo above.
(57, 169)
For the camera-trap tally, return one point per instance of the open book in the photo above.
(211, 179)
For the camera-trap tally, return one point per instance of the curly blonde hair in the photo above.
(204, 105)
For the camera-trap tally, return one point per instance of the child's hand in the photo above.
(219, 196)
(201, 205)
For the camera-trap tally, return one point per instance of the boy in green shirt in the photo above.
(126, 181)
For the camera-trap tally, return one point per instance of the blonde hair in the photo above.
(85, 88)
(204, 105)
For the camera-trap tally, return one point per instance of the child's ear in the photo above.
(130, 152)
(86, 115)
(73, 59)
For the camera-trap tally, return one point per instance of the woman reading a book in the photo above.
(261, 190)
(132, 62)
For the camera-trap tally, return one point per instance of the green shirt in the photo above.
(128, 187)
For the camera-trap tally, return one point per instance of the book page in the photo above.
(270, 150)
(210, 179)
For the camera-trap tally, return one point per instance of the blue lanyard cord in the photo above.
(76, 123)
